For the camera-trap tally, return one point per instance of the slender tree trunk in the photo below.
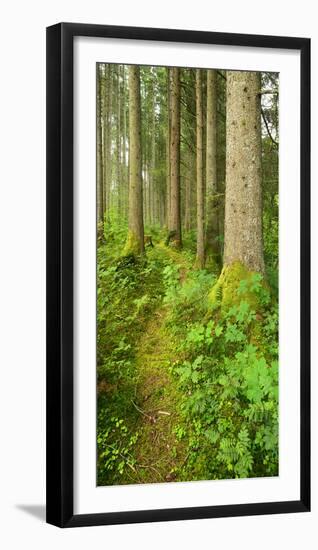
(124, 147)
(145, 194)
(118, 144)
(135, 238)
(153, 154)
(149, 191)
(200, 258)
(243, 196)
(175, 216)
(212, 230)
(188, 194)
(100, 168)
(108, 153)
(106, 136)
(162, 208)
(168, 154)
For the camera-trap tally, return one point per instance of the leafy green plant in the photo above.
(187, 299)
(231, 392)
(115, 445)
(225, 366)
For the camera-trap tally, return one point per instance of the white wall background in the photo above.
(22, 273)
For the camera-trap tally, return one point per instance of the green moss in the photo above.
(132, 246)
(235, 285)
(257, 336)
(225, 294)
(157, 390)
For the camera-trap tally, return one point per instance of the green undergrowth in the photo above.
(132, 341)
(228, 373)
(129, 291)
(187, 388)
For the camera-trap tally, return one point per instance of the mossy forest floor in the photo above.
(157, 451)
(164, 412)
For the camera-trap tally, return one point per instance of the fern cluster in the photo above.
(229, 379)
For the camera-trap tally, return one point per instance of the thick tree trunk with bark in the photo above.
(243, 240)
(243, 196)
(212, 228)
(135, 238)
(200, 258)
(175, 215)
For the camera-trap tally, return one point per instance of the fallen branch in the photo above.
(141, 411)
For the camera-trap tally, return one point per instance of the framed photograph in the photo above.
(178, 274)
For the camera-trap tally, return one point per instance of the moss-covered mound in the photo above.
(133, 246)
(235, 284)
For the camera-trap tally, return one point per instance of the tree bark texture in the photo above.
(175, 215)
(168, 188)
(135, 240)
(200, 259)
(212, 222)
(99, 137)
(243, 195)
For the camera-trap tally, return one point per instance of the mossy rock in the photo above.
(224, 293)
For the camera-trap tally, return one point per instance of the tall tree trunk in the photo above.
(243, 239)
(175, 216)
(153, 154)
(145, 193)
(124, 147)
(212, 229)
(100, 168)
(190, 178)
(108, 156)
(200, 258)
(118, 144)
(135, 238)
(106, 136)
(168, 189)
(162, 208)
(149, 191)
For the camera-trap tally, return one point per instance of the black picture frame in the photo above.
(60, 241)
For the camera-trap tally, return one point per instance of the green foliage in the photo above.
(188, 299)
(270, 225)
(237, 283)
(115, 444)
(231, 391)
(129, 290)
(224, 364)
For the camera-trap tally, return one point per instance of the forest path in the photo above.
(158, 452)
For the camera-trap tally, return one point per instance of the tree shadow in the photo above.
(35, 510)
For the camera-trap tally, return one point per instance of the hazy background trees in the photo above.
(193, 152)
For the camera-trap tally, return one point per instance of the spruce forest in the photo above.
(187, 274)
